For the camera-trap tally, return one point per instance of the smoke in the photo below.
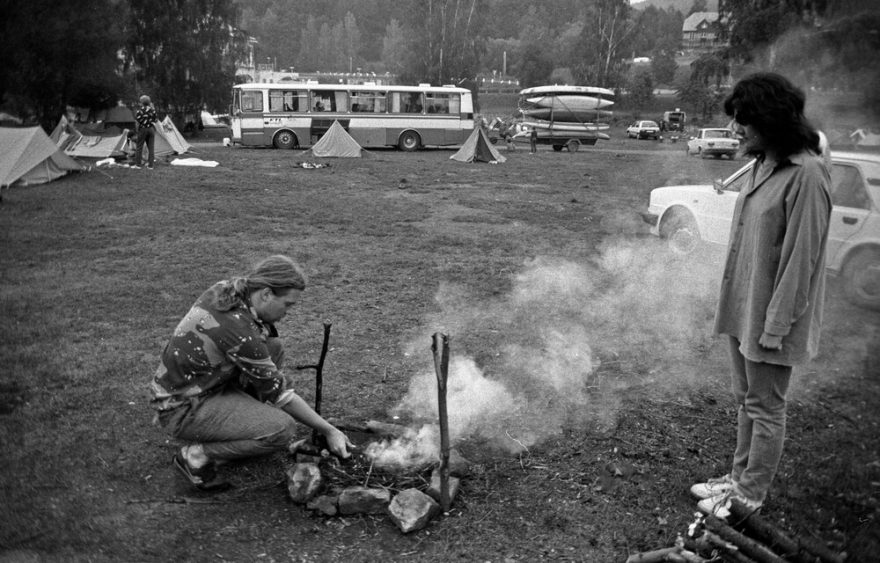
(528, 363)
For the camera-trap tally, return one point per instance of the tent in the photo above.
(111, 142)
(478, 148)
(169, 140)
(28, 156)
(119, 116)
(336, 142)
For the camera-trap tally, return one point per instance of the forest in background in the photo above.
(184, 52)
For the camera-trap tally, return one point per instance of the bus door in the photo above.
(247, 117)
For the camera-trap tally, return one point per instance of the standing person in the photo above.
(773, 287)
(533, 140)
(219, 385)
(146, 122)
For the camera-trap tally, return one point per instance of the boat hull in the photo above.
(576, 116)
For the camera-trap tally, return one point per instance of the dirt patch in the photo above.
(540, 270)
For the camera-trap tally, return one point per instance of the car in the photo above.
(688, 217)
(715, 142)
(643, 130)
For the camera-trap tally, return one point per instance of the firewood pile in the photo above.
(744, 538)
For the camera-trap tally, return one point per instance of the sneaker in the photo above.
(712, 487)
(203, 478)
(719, 506)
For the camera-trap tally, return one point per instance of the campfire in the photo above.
(394, 469)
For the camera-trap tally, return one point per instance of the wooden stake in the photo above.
(319, 377)
(440, 347)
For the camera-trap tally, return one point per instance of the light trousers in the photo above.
(760, 389)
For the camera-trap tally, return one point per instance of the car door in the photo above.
(852, 208)
(719, 212)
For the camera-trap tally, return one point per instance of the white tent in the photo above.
(478, 148)
(169, 140)
(336, 142)
(28, 156)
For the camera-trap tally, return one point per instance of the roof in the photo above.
(699, 20)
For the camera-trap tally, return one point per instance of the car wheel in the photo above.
(284, 140)
(861, 278)
(573, 145)
(409, 141)
(681, 233)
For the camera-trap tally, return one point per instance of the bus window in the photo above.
(288, 100)
(406, 102)
(443, 103)
(329, 100)
(251, 100)
(368, 102)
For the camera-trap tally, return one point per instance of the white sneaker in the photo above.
(712, 487)
(719, 506)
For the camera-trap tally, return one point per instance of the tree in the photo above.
(703, 90)
(183, 52)
(641, 89)
(698, 6)
(663, 66)
(394, 47)
(57, 52)
(444, 39)
(602, 45)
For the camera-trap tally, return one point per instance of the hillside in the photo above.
(683, 6)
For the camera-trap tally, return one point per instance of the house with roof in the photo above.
(700, 32)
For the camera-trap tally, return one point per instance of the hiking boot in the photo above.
(719, 506)
(712, 487)
(203, 478)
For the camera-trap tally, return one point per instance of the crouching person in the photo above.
(219, 386)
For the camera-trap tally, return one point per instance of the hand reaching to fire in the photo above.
(338, 443)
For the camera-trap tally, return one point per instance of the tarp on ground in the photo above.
(169, 140)
(111, 143)
(336, 142)
(28, 156)
(478, 148)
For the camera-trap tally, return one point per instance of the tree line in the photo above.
(183, 53)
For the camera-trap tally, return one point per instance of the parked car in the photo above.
(643, 130)
(713, 142)
(689, 216)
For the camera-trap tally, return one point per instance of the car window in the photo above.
(848, 187)
(717, 134)
(737, 183)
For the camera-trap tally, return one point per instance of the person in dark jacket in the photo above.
(146, 131)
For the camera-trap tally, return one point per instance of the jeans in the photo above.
(147, 134)
(759, 389)
(231, 424)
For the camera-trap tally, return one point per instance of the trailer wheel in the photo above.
(284, 140)
(573, 145)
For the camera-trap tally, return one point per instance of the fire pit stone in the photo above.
(325, 504)
(412, 509)
(434, 487)
(304, 481)
(363, 500)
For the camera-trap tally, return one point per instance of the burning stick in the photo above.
(319, 377)
(440, 347)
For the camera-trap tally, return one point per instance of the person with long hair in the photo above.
(773, 286)
(219, 385)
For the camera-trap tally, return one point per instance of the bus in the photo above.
(293, 115)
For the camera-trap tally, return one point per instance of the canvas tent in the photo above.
(336, 142)
(28, 156)
(169, 140)
(111, 142)
(120, 116)
(478, 148)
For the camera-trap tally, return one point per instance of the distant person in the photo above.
(146, 119)
(533, 140)
(219, 385)
(319, 105)
(773, 287)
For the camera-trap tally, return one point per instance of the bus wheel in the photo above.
(284, 140)
(409, 141)
(573, 145)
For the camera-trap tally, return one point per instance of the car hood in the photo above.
(678, 192)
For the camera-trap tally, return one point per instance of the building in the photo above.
(699, 33)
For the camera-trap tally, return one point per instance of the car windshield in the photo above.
(648, 124)
(717, 134)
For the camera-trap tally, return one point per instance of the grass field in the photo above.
(539, 269)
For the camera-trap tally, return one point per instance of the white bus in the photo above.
(297, 114)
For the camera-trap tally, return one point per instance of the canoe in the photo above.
(561, 114)
(571, 102)
(542, 125)
(563, 90)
